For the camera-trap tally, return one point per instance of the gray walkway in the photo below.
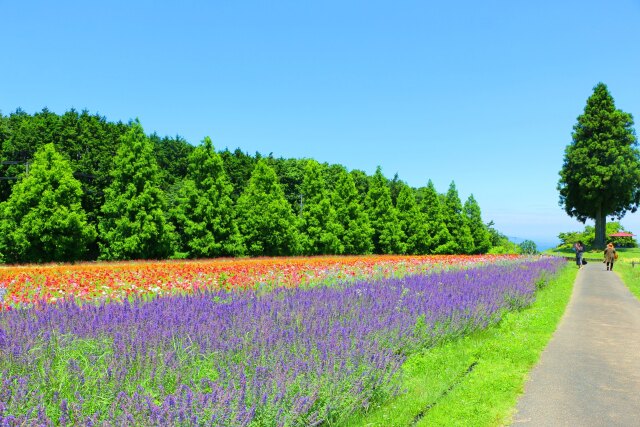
(589, 374)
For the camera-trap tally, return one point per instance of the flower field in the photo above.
(290, 341)
(26, 285)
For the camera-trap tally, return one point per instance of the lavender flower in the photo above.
(286, 357)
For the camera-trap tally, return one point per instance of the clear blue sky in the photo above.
(481, 93)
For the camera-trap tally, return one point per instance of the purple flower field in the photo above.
(286, 357)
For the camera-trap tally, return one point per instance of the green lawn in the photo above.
(476, 380)
(628, 267)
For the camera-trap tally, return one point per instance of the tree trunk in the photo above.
(601, 222)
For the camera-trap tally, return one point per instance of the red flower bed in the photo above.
(116, 280)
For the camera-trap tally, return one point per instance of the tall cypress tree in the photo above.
(601, 171)
(43, 219)
(479, 232)
(413, 221)
(320, 227)
(266, 220)
(388, 237)
(457, 222)
(440, 240)
(133, 223)
(203, 210)
(357, 232)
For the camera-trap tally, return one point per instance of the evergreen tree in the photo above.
(357, 232)
(172, 156)
(238, 166)
(290, 173)
(479, 232)
(43, 219)
(601, 171)
(88, 142)
(25, 135)
(362, 182)
(203, 210)
(440, 241)
(331, 174)
(133, 223)
(266, 220)
(413, 221)
(395, 186)
(388, 237)
(319, 226)
(457, 222)
(91, 143)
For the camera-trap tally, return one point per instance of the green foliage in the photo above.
(357, 232)
(528, 247)
(586, 236)
(395, 186)
(600, 175)
(43, 219)
(457, 222)
(89, 142)
(319, 225)
(129, 204)
(388, 237)
(440, 240)
(500, 244)
(265, 218)
(203, 212)
(291, 173)
(479, 232)
(238, 167)
(133, 223)
(362, 182)
(413, 222)
(172, 156)
(567, 239)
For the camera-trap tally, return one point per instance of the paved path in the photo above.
(589, 374)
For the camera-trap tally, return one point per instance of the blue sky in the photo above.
(481, 93)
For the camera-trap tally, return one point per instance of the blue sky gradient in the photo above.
(481, 93)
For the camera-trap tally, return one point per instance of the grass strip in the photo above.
(630, 275)
(476, 380)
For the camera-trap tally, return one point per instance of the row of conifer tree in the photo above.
(85, 188)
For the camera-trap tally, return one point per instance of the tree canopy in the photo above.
(203, 211)
(356, 229)
(266, 219)
(319, 223)
(413, 222)
(457, 223)
(586, 236)
(479, 232)
(440, 240)
(43, 219)
(133, 223)
(388, 237)
(149, 196)
(600, 175)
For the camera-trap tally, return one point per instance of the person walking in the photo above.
(579, 248)
(610, 255)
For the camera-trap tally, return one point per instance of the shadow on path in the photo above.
(589, 374)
